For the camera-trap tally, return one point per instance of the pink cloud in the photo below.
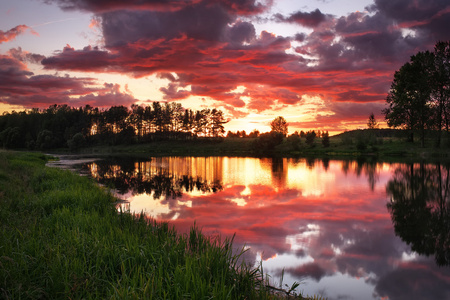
(6, 36)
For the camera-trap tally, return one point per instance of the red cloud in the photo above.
(13, 33)
(19, 86)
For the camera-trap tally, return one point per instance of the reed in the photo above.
(61, 237)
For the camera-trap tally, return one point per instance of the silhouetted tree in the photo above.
(310, 137)
(294, 141)
(137, 118)
(253, 134)
(157, 116)
(409, 95)
(302, 134)
(62, 126)
(325, 139)
(372, 122)
(279, 125)
(217, 121)
(441, 88)
(420, 93)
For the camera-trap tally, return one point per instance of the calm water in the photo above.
(344, 229)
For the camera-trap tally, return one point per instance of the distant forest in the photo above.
(62, 126)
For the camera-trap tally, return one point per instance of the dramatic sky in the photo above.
(322, 64)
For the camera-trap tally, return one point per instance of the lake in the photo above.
(344, 229)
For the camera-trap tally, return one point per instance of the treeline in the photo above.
(267, 142)
(419, 97)
(255, 133)
(62, 126)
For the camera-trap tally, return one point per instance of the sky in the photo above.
(321, 64)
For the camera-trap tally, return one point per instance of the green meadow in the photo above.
(62, 237)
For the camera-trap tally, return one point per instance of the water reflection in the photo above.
(324, 221)
(150, 177)
(420, 208)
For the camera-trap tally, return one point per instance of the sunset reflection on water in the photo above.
(325, 222)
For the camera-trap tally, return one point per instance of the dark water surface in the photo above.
(344, 229)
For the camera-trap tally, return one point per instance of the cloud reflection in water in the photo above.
(325, 222)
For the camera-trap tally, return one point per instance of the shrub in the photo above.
(294, 141)
(11, 137)
(45, 139)
(76, 142)
(267, 141)
(325, 139)
(310, 136)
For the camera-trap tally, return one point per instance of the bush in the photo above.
(361, 145)
(325, 139)
(294, 141)
(267, 141)
(11, 138)
(45, 139)
(76, 142)
(310, 136)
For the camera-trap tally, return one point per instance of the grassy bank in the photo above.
(62, 238)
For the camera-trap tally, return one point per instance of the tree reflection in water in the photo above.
(125, 176)
(420, 208)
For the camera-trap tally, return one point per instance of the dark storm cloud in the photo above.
(308, 19)
(418, 10)
(430, 19)
(241, 32)
(202, 22)
(242, 7)
(107, 5)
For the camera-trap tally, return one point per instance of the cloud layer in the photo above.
(20, 86)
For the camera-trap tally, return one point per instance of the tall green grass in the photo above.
(61, 237)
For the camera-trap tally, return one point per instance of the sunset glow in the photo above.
(322, 65)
